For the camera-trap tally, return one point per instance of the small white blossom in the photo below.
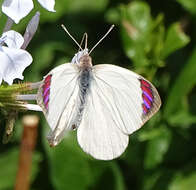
(18, 9)
(13, 59)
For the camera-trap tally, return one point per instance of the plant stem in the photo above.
(26, 97)
(30, 123)
(8, 24)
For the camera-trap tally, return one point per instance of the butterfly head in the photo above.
(77, 56)
(82, 59)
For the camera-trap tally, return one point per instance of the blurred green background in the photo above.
(153, 38)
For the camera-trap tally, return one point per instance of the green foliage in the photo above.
(189, 5)
(152, 38)
(157, 147)
(174, 40)
(183, 182)
(144, 38)
(183, 84)
(76, 173)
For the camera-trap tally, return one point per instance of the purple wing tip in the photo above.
(46, 90)
(147, 96)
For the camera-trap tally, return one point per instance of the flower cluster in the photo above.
(14, 57)
(18, 9)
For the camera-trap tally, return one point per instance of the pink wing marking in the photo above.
(46, 90)
(147, 96)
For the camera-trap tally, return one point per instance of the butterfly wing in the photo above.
(57, 96)
(119, 102)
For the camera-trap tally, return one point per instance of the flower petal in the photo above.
(31, 29)
(17, 9)
(13, 62)
(32, 107)
(48, 4)
(13, 39)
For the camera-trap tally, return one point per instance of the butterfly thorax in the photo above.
(85, 62)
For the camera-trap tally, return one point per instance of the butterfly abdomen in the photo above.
(84, 85)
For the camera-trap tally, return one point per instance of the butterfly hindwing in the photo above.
(98, 134)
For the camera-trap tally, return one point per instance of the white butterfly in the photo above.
(105, 103)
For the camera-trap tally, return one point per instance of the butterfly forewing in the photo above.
(127, 96)
(58, 99)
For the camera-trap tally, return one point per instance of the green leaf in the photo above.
(107, 174)
(8, 163)
(183, 182)
(183, 84)
(113, 15)
(150, 180)
(156, 148)
(65, 7)
(69, 167)
(149, 134)
(118, 177)
(142, 37)
(182, 118)
(189, 5)
(138, 14)
(135, 32)
(175, 39)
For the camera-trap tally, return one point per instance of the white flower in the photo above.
(13, 60)
(18, 9)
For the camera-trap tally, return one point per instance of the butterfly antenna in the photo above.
(102, 38)
(86, 41)
(85, 36)
(64, 28)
